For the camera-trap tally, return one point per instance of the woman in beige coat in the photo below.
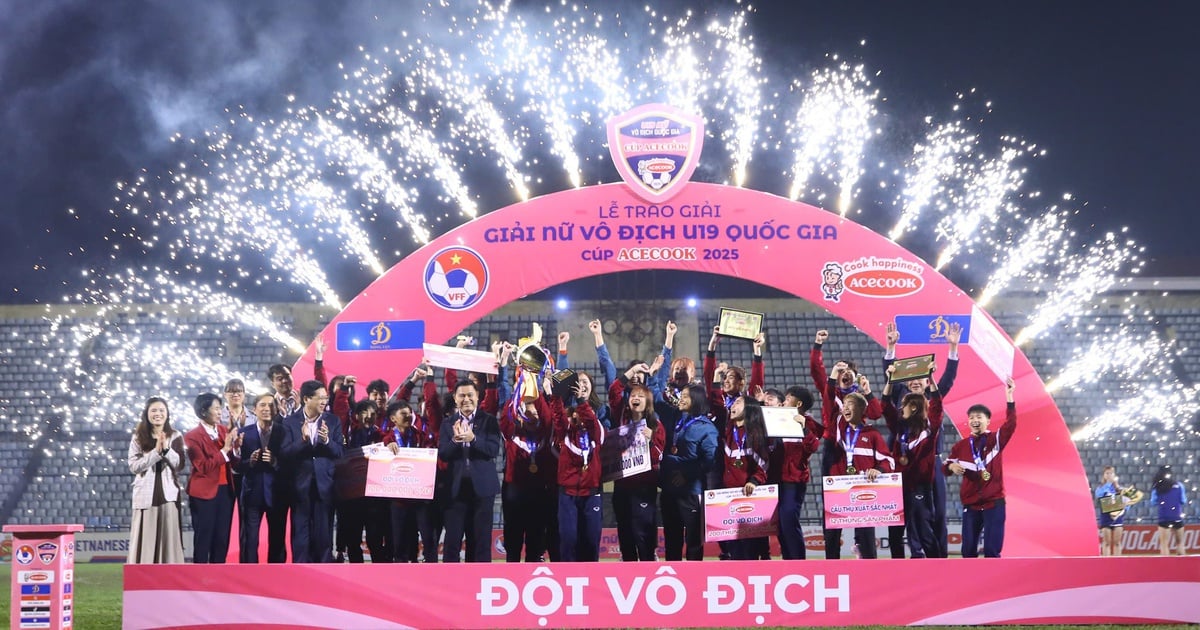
(155, 459)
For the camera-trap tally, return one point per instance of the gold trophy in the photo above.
(1132, 495)
(531, 364)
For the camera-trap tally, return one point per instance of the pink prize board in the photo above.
(852, 501)
(376, 472)
(729, 514)
(409, 474)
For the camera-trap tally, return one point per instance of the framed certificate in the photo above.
(781, 422)
(1112, 503)
(740, 324)
(913, 368)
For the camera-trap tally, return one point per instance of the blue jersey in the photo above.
(691, 453)
(1170, 503)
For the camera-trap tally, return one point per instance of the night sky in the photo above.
(90, 93)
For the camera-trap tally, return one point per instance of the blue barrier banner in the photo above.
(931, 328)
(380, 335)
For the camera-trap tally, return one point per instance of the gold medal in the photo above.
(585, 467)
(851, 470)
(739, 463)
(903, 460)
(987, 476)
(532, 467)
(674, 450)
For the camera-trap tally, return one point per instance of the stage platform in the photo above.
(710, 594)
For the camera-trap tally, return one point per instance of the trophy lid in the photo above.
(530, 354)
(532, 357)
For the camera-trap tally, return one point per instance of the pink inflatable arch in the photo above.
(855, 273)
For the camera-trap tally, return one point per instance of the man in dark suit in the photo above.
(469, 443)
(264, 490)
(312, 444)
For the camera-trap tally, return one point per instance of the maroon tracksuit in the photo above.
(867, 450)
(528, 492)
(916, 455)
(976, 493)
(579, 505)
(982, 489)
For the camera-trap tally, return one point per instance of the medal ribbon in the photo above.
(741, 453)
(848, 445)
(979, 463)
(680, 427)
(739, 443)
(400, 437)
(531, 444)
(515, 406)
(585, 446)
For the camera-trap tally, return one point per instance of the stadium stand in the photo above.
(70, 469)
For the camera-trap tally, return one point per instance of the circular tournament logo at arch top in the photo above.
(456, 278)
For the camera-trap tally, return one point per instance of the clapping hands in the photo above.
(463, 431)
(261, 455)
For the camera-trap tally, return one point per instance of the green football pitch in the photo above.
(98, 601)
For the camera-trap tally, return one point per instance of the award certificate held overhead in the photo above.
(781, 422)
(913, 368)
(740, 324)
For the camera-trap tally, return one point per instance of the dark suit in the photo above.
(474, 485)
(264, 491)
(310, 464)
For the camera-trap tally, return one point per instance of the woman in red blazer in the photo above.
(212, 451)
